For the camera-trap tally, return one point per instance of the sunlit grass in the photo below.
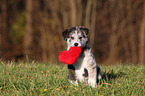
(51, 79)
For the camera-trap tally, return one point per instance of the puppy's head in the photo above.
(76, 36)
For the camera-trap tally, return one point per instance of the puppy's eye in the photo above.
(80, 37)
(72, 38)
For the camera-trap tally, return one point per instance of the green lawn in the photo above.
(51, 79)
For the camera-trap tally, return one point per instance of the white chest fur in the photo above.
(85, 61)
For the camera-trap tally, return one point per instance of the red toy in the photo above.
(70, 56)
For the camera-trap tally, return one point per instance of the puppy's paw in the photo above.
(75, 83)
(92, 82)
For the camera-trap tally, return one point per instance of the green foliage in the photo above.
(51, 79)
(17, 30)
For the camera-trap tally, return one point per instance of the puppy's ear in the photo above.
(65, 33)
(85, 30)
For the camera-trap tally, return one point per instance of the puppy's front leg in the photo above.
(71, 73)
(92, 76)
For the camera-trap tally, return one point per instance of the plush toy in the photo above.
(70, 56)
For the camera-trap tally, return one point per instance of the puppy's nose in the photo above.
(76, 44)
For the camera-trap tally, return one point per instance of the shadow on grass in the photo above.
(108, 76)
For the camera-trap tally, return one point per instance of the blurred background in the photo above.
(32, 29)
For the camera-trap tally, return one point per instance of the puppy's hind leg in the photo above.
(99, 74)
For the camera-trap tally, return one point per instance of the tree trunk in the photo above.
(142, 39)
(79, 12)
(93, 23)
(88, 12)
(28, 34)
(113, 53)
(3, 26)
(72, 12)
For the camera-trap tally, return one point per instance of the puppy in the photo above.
(85, 69)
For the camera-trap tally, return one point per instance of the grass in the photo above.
(36, 79)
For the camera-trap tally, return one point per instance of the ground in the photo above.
(51, 79)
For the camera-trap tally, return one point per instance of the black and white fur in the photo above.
(85, 69)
